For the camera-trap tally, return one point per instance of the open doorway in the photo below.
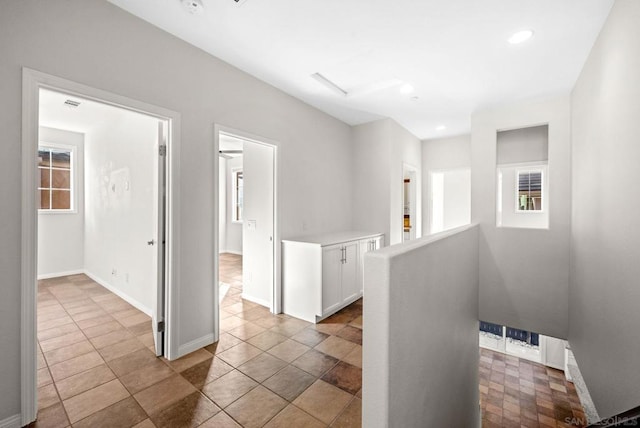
(410, 203)
(247, 249)
(97, 228)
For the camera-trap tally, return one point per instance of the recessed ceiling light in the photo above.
(520, 36)
(406, 89)
(441, 128)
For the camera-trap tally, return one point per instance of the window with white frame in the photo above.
(529, 190)
(237, 195)
(55, 178)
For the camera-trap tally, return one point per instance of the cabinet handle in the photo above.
(342, 255)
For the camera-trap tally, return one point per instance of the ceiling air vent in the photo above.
(72, 103)
(239, 2)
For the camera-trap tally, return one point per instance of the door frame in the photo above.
(415, 189)
(276, 291)
(32, 82)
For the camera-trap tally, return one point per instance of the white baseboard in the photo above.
(58, 274)
(14, 421)
(194, 345)
(133, 302)
(255, 300)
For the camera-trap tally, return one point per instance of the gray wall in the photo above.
(605, 270)
(97, 44)
(420, 360)
(523, 145)
(524, 273)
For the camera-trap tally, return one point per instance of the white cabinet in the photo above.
(366, 245)
(323, 274)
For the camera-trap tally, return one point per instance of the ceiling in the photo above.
(454, 53)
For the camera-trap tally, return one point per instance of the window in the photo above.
(238, 194)
(55, 186)
(511, 341)
(529, 191)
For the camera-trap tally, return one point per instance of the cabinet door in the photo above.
(365, 246)
(331, 277)
(350, 272)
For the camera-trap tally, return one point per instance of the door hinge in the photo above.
(161, 327)
(162, 150)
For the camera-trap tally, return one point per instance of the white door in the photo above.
(258, 166)
(159, 241)
(332, 259)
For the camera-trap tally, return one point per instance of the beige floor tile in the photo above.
(62, 341)
(288, 350)
(124, 413)
(44, 377)
(47, 396)
(94, 400)
(94, 321)
(145, 424)
(239, 354)
(228, 388)
(289, 382)
(102, 329)
(309, 336)
(323, 401)
(46, 324)
(134, 361)
(230, 323)
(315, 362)
(351, 417)
(206, 371)
(91, 315)
(135, 319)
(112, 338)
(246, 330)
(191, 411)
(121, 349)
(142, 378)
(164, 393)
(68, 352)
(256, 408)
(291, 417)
(75, 365)
(262, 367)
(267, 340)
(57, 331)
(190, 360)
(84, 381)
(221, 420)
(225, 342)
(354, 357)
(336, 347)
(52, 417)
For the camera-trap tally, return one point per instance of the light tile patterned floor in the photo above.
(519, 393)
(96, 367)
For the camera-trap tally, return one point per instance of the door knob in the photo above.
(152, 242)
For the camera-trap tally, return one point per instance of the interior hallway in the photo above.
(96, 367)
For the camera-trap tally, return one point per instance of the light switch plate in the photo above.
(251, 224)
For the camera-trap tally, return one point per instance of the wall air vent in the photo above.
(72, 103)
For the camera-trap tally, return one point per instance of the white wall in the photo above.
(523, 145)
(257, 226)
(420, 357)
(121, 180)
(61, 235)
(381, 148)
(604, 291)
(445, 154)
(233, 229)
(222, 206)
(523, 285)
(76, 40)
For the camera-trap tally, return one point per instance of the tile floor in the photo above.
(518, 393)
(96, 367)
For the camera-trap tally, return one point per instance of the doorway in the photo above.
(246, 248)
(410, 203)
(78, 186)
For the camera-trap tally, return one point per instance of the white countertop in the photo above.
(325, 239)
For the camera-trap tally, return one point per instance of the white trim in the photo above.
(234, 195)
(133, 302)
(11, 422)
(196, 344)
(260, 302)
(59, 274)
(276, 293)
(32, 81)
